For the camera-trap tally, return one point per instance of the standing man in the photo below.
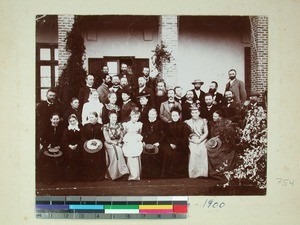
(178, 94)
(218, 98)
(116, 88)
(160, 94)
(103, 90)
(99, 78)
(198, 93)
(84, 92)
(208, 110)
(144, 90)
(236, 86)
(165, 107)
(232, 108)
(44, 111)
(132, 81)
(186, 105)
(150, 82)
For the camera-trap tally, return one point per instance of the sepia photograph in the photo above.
(151, 105)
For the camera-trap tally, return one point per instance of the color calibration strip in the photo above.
(121, 207)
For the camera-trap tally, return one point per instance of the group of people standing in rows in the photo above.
(133, 127)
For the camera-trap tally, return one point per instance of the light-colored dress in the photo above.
(115, 161)
(92, 106)
(198, 161)
(133, 148)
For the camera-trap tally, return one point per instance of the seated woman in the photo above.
(153, 136)
(93, 105)
(221, 147)
(175, 150)
(50, 160)
(198, 164)
(109, 107)
(113, 135)
(133, 145)
(93, 156)
(72, 145)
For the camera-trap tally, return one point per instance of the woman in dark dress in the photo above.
(71, 144)
(50, 159)
(153, 136)
(176, 150)
(93, 163)
(221, 158)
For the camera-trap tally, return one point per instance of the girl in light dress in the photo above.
(133, 145)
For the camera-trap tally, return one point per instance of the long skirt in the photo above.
(135, 167)
(93, 165)
(151, 165)
(116, 162)
(198, 162)
(175, 162)
(72, 164)
(219, 161)
(49, 169)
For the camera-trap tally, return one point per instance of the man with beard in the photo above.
(143, 90)
(84, 92)
(116, 88)
(127, 105)
(209, 108)
(165, 107)
(144, 106)
(186, 105)
(160, 94)
(252, 104)
(218, 98)
(103, 90)
(99, 78)
(45, 109)
(178, 94)
(236, 86)
(123, 82)
(132, 81)
(150, 81)
(231, 109)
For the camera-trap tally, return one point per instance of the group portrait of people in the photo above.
(132, 127)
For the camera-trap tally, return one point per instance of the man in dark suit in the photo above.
(103, 90)
(150, 81)
(232, 108)
(144, 90)
(165, 107)
(127, 105)
(116, 88)
(236, 86)
(131, 78)
(186, 105)
(84, 92)
(198, 93)
(178, 94)
(208, 110)
(44, 111)
(99, 78)
(218, 98)
(160, 94)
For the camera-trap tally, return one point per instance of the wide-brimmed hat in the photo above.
(198, 81)
(213, 144)
(93, 145)
(150, 149)
(53, 152)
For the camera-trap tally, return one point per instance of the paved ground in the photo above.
(160, 187)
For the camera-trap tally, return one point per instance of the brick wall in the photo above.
(168, 33)
(259, 53)
(65, 24)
